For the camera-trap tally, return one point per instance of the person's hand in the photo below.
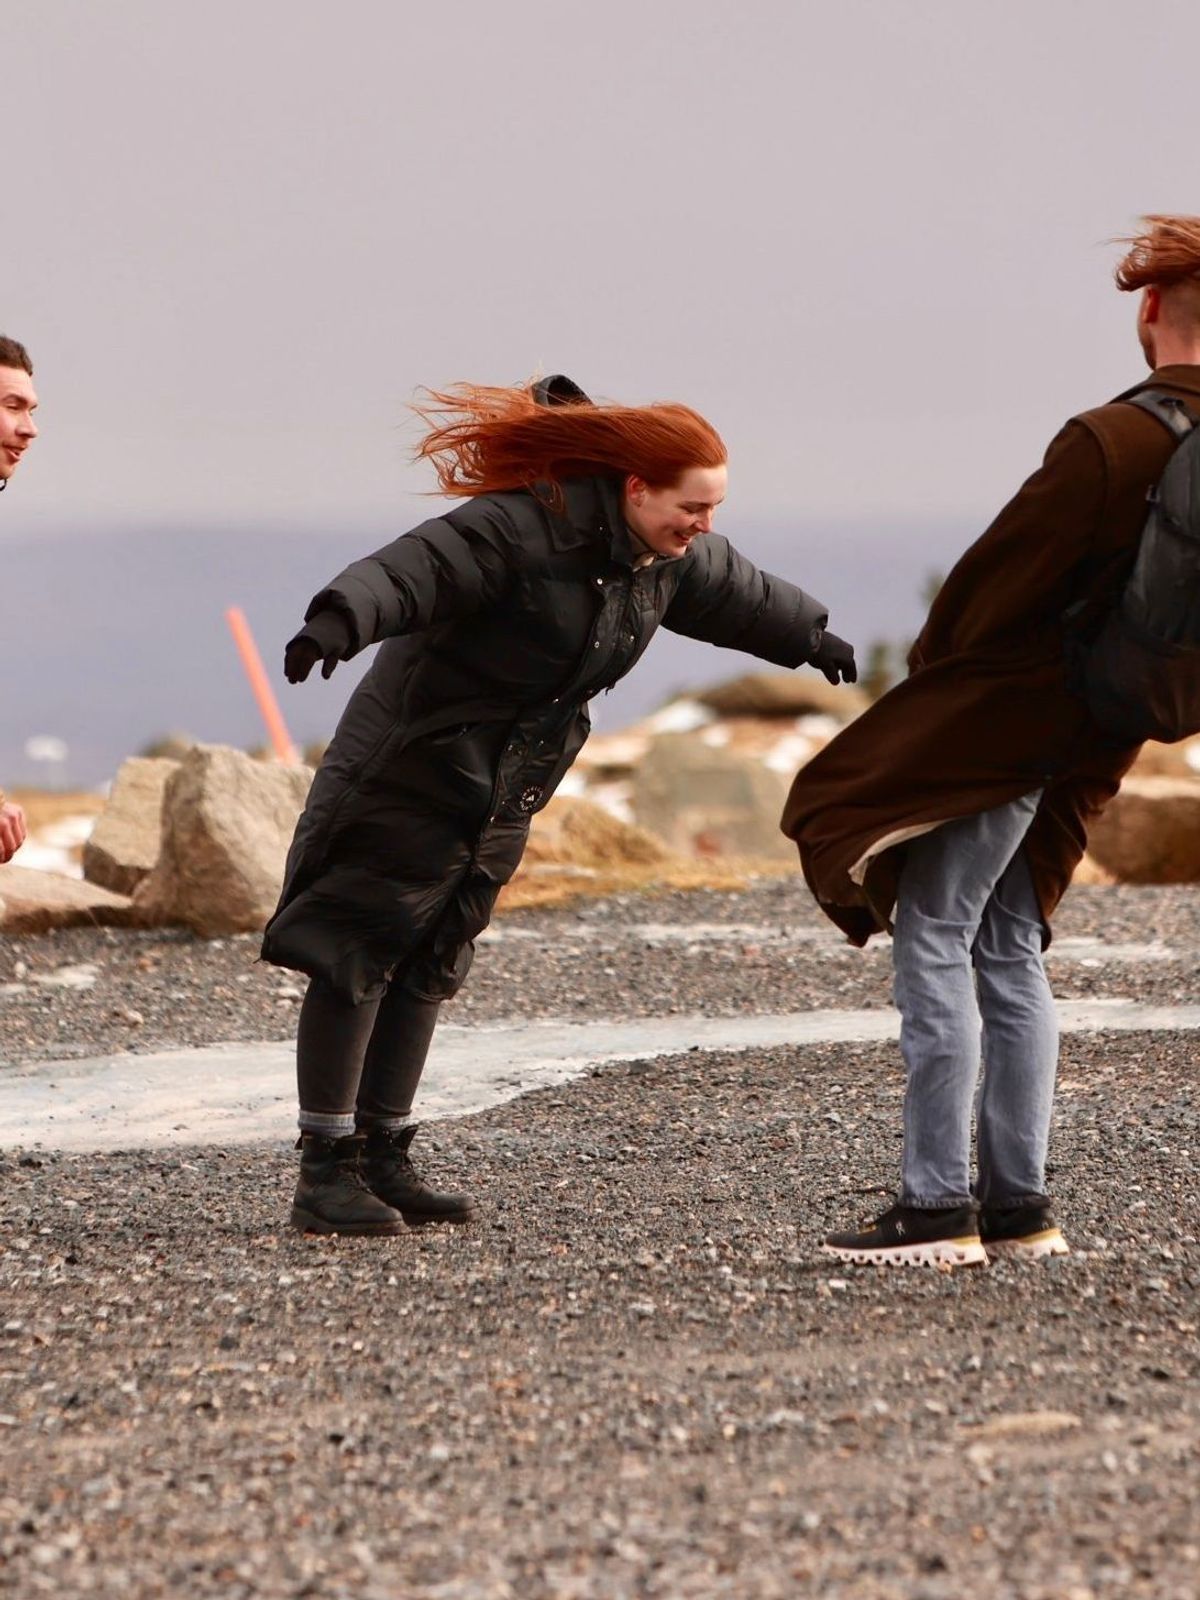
(835, 658)
(12, 830)
(324, 638)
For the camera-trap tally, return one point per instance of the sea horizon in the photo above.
(117, 639)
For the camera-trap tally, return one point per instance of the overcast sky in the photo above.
(868, 240)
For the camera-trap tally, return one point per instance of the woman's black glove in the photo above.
(835, 658)
(325, 637)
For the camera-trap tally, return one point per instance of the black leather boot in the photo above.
(388, 1169)
(333, 1195)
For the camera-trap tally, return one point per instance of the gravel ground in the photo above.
(149, 991)
(634, 1376)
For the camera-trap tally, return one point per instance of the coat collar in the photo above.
(594, 506)
(1181, 377)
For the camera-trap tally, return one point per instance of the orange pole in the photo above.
(280, 739)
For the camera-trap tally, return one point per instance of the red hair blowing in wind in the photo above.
(485, 439)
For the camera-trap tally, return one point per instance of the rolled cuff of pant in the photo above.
(942, 1204)
(330, 1124)
(367, 1122)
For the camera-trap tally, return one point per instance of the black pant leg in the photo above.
(395, 1057)
(331, 1046)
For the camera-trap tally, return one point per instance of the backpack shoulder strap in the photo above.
(1164, 408)
(1107, 584)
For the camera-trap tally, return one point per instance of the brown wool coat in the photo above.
(987, 714)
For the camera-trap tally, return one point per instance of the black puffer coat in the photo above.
(501, 619)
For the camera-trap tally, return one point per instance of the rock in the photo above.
(707, 801)
(613, 755)
(765, 715)
(784, 694)
(36, 902)
(577, 834)
(1018, 1424)
(782, 743)
(1090, 872)
(227, 824)
(169, 747)
(123, 847)
(1150, 833)
(1179, 760)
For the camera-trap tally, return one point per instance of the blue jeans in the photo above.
(972, 991)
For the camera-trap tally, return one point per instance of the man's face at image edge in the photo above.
(18, 402)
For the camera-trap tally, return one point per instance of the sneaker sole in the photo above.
(1033, 1248)
(936, 1253)
(308, 1222)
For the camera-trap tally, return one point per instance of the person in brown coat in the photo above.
(955, 810)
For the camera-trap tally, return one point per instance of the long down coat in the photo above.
(988, 712)
(500, 620)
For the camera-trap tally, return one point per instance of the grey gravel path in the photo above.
(91, 992)
(245, 1093)
(635, 1375)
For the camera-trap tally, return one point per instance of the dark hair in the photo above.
(13, 354)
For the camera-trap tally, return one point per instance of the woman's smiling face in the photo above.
(667, 520)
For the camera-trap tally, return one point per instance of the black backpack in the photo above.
(1138, 664)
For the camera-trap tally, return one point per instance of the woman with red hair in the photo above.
(582, 528)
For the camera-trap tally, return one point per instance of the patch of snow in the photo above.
(791, 752)
(615, 798)
(53, 848)
(818, 725)
(680, 716)
(38, 857)
(68, 832)
(82, 976)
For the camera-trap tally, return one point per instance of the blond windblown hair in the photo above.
(1164, 254)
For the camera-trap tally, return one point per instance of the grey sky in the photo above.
(867, 239)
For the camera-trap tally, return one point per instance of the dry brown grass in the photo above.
(544, 887)
(578, 850)
(45, 806)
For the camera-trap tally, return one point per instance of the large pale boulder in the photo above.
(227, 824)
(705, 800)
(784, 694)
(1150, 833)
(37, 902)
(124, 844)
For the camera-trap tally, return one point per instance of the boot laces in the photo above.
(353, 1174)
